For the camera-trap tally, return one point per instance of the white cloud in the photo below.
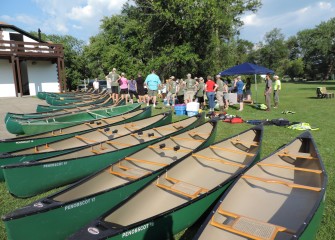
(251, 20)
(325, 5)
(26, 19)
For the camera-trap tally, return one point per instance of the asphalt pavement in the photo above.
(25, 104)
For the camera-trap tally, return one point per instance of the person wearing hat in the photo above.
(172, 89)
(200, 93)
(191, 87)
(276, 90)
(112, 80)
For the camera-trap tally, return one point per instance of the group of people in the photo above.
(186, 90)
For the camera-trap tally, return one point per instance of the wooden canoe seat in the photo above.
(131, 173)
(146, 161)
(182, 188)
(219, 160)
(286, 154)
(248, 227)
(85, 139)
(237, 140)
(170, 149)
(289, 167)
(288, 184)
(187, 139)
(178, 126)
(233, 151)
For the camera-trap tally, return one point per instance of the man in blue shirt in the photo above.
(240, 88)
(152, 82)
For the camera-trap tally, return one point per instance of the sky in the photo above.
(81, 18)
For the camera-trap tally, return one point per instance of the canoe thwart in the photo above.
(182, 188)
(289, 167)
(232, 150)
(131, 173)
(237, 140)
(187, 139)
(288, 184)
(219, 160)
(248, 227)
(170, 149)
(36, 150)
(85, 139)
(145, 161)
(285, 154)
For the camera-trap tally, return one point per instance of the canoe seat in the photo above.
(131, 173)
(289, 167)
(306, 156)
(288, 184)
(85, 139)
(239, 141)
(170, 149)
(219, 160)
(188, 139)
(248, 227)
(182, 188)
(232, 150)
(145, 161)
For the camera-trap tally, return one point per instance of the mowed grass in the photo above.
(297, 97)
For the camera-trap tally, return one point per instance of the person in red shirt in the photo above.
(211, 87)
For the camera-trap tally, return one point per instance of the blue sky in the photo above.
(81, 18)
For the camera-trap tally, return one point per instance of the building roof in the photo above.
(4, 25)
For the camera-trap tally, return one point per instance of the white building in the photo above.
(29, 65)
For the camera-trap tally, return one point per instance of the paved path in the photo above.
(26, 104)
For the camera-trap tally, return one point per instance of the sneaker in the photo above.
(147, 104)
(168, 105)
(154, 105)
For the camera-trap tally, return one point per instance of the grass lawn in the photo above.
(297, 97)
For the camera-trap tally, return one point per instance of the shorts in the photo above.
(240, 97)
(152, 93)
(124, 91)
(201, 99)
(115, 89)
(109, 90)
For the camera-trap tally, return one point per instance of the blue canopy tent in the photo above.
(247, 69)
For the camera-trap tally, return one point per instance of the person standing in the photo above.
(219, 92)
(140, 88)
(210, 91)
(152, 82)
(239, 90)
(132, 89)
(248, 89)
(171, 89)
(113, 84)
(191, 87)
(200, 93)
(180, 91)
(276, 90)
(96, 86)
(124, 87)
(267, 91)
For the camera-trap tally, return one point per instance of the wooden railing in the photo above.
(30, 49)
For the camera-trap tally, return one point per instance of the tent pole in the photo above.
(256, 89)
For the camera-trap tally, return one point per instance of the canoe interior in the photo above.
(190, 179)
(259, 205)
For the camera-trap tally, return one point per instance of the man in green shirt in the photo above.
(276, 90)
(191, 87)
(171, 88)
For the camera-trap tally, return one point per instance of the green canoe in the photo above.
(281, 197)
(45, 125)
(24, 142)
(56, 113)
(79, 141)
(181, 195)
(31, 178)
(43, 95)
(106, 101)
(87, 199)
(57, 100)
